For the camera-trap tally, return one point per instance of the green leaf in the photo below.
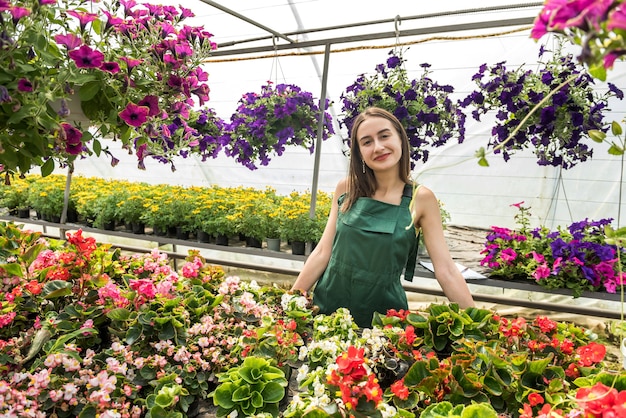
(416, 374)
(223, 395)
(88, 412)
(133, 334)
(47, 168)
(12, 269)
(615, 149)
(118, 314)
(168, 332)
(479, 410)
(97, 147)
(483, 162)
(598, 71)
(56, 288)
(89, 90)
(273, 392)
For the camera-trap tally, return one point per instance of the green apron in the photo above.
(371, 249)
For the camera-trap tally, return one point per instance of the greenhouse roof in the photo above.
(285, 25)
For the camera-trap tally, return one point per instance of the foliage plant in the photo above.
(577, 257)
(133, 69)
(252, 388)
(265, 123)
(423, 106)
(86, 330)
(570, 108)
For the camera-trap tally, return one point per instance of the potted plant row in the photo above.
(176, 211)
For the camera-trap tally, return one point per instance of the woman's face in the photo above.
(379, 143)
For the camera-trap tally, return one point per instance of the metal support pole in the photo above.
(320, 132)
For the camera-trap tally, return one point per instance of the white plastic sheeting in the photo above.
(474, 196)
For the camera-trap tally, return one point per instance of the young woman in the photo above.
(371, 234)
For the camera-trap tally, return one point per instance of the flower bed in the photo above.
(88, 331)
(577, 257)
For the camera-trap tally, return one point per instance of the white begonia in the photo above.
(386, 410)
(319, 388)
(233, 414)
(303, 371)
(304, 350)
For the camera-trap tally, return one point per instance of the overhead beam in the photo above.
(246, 19)
(522, 21)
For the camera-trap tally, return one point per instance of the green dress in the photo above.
(371, 249)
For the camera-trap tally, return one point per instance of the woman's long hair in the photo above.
(363, 184)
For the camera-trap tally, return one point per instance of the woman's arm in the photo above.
(317, 261)
(428, 217)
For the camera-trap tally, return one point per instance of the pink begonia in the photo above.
(113, 292)
(7, 319)
(229, 285)
(53, 360)
(116, 367)
(46, 258)
(144, 287)
(70, 364)
(104, 381)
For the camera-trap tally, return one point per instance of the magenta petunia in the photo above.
(47, 2)
(617, 18)
(135, 115)
(152, 103)
(73, 139)
(131, 62)
(19, 12)
(85, 57)
(69, 40)
(110, 67)
(24, 85)
(83, 17)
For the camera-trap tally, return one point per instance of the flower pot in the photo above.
(253, 243)
(72, 215)
(181, 233)
(297, 247)
(13, 211)
(171, 231)
(138, 228)
(128, 226)
(202, 236)
(109, 226)
(23, 213)
(221, 239)
(158, 231)
(55, 219)
(273, 244)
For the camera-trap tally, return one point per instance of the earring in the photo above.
(363, 161)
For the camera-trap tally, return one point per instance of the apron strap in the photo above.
(409, 268)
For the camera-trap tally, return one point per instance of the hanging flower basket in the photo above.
(556, 130)
(133, 70)
(266, 123)
(422, 105)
